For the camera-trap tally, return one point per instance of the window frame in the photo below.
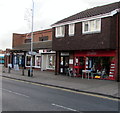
(59, 31)
(34, 61)
(71, 27)
(94, 30)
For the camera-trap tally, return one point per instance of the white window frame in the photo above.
(71, 29)
(60, 31)
(30, 61)
(89, 26)
(26, 60)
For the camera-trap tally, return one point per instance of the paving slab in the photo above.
(104, 87)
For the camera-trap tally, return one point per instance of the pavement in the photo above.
(94, 86)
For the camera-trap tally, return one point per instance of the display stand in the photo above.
(112, 71)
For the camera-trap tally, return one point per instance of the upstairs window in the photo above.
(91, 26)
(71, 29)
(60, 31)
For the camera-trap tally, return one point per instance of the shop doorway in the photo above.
(64, 64)
(79, 65)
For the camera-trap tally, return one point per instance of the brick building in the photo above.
(89, 43)
(44, 57)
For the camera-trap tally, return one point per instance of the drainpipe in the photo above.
(118, 49)
(56, 63)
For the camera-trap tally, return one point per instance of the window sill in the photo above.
(33, 66)
(70, 35)
(51, 68)
(91, 32)
(59, 36)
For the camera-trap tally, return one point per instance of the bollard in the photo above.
(30, 73)
(9, 69)
(23, 71)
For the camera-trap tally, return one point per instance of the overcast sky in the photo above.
(46, 12)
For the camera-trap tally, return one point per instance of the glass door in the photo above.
(64, 64)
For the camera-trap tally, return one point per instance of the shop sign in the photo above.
(70, 61)
(64, 54)
(91, 53)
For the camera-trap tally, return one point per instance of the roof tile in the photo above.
(92, 12)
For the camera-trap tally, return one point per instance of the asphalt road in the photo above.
(22, 96)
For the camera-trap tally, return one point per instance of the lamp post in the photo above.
(31, 63)
(8, 61)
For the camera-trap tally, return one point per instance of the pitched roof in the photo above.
(36, 46)
(91, 12)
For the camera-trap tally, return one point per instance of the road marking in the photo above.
(15, 93)
(67, 90)
(63, 107)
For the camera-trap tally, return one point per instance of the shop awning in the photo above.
(36, 46)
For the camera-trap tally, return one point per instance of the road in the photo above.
(23, 96)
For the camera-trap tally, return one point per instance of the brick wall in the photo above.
(19, 39)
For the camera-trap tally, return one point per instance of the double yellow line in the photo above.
(67, 90)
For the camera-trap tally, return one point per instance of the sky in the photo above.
(15, 15)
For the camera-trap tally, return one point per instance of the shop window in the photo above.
(16, 61)
(20, 60)
(91, 26)
(38, 61)
(28, 60)
(51, 61)
(99, 65)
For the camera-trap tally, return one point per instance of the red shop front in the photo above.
(101, 64)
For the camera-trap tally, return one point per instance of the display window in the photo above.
(38, 61)
(28, 60)
(99, 67)
(51, 61)
(20, 60)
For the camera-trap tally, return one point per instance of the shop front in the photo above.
(99, 64)
(48, 61)
(18, 61)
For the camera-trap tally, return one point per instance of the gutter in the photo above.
(118, 39)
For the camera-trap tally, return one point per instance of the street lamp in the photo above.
(31, 63)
